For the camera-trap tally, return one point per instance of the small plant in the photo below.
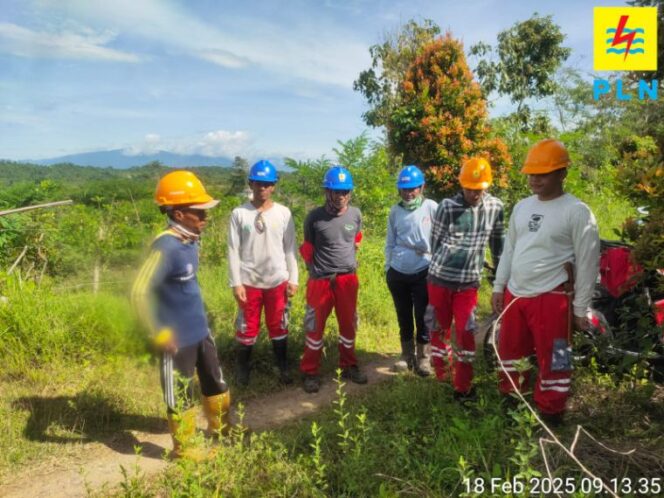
(361, 435)
(342, 415)
(134, 484)
(317, 459)
(525, 445)
(467, 473)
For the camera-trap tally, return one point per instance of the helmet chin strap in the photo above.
(187, 234)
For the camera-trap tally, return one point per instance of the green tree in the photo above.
(529, 55)
(374, 175)
(389, 61)
(441, 117)
(239, 172)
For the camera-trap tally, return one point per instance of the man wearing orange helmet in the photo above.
(168, 298)
(546, 231)
(462, 228)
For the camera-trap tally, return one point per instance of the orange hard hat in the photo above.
(475, 174)
(546, 156)
(183, 188)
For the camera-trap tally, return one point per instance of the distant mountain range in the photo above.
(118, 159)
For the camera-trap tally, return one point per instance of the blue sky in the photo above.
(254, 78)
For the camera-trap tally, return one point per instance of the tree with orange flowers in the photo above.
(441, 117)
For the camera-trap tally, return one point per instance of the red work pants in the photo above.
(460, 350)
(532, 324)
(248, 321)
(323, 294)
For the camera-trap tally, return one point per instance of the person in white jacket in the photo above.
(546, 231)
(263, 270)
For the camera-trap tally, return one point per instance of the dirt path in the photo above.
(98, 466)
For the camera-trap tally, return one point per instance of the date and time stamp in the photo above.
(545, 486)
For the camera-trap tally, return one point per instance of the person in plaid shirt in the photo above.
(461, 229)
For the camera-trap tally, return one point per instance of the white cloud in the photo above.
(222, 58)
(23, 42)
(311, 51)
(218, 143)
(212, 144)
(151, 144)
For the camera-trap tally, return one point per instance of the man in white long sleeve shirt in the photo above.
(263, 269)
(545, 231)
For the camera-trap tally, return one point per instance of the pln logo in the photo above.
(625, 39)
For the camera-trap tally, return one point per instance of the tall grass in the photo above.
(84, 362)
(39, 327)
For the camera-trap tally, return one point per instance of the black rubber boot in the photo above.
(243, 366)
(553, 419)
(354, 374)
(465, 398)
(280, 349)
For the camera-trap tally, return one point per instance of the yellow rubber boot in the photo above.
(217, 411)
(183, 432)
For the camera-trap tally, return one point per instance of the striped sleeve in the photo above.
(152, 273)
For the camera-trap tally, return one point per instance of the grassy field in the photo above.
(408, 437)
(77, 368)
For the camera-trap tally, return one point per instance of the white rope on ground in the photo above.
(554, 439)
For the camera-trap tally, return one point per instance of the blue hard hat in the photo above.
(338, 178)
(263, 171)
(410, 177)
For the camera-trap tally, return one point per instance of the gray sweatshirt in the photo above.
(407, 246)
(262, 260)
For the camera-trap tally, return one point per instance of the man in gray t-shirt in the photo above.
(333, 237)
(332, 234)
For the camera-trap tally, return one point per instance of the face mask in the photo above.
(412, 205)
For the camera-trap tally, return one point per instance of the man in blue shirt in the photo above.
(168, 298)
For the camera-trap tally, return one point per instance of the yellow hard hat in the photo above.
(183, 188)
(546, 156)
(475, 174)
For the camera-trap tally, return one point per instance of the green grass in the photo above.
(76, 365)
(51, 410)
(407, 437)
(610, 209)
(38, 327)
